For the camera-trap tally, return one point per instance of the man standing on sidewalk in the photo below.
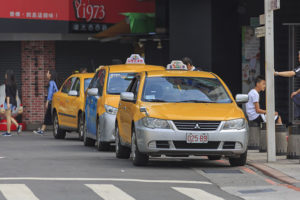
(296, 94)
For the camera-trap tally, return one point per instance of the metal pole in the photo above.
(270, 96)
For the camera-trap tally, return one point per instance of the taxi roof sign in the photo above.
(135, 59)
(177, 65)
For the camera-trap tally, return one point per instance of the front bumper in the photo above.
(107, 127)
(172, 141)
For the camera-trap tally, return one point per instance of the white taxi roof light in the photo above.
(177, 65)
(135, 59)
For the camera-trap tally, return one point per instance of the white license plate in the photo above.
(196, 138)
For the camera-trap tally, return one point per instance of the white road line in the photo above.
(101, 179)
(17, 192)
(2, 157)
(197, 194)
(109, 192)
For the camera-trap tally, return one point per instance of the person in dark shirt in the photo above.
(10, 103)
(189, 63)
(296, 94)
(52, 88)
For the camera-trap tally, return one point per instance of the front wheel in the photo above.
(87, 141)
(241, 161)
(122, 152)
(80, 126)
(138, 158)
(57, 132)
(101, 146)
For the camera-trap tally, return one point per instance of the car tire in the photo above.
(80, 126)
(87, 141)
(122, 152)
(101, 146)
(138, 158)
(58, 133)
(214, 157)
(241, 161)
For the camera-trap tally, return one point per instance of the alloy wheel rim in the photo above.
(133, 146)
(81, 128)
(117, 140)
(56, 125)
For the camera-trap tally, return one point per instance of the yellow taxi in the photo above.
(180, 113)
(68, 105)
(103, 96)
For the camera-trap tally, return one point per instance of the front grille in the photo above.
(162, 144)
(184, 145)
(197, 125)
(229, 145)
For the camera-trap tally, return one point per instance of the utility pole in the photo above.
(270, 91)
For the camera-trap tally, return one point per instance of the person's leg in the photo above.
(278, 120)
(43, 127)
(8, 120)
(14, 121)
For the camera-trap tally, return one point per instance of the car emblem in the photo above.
(197, 126)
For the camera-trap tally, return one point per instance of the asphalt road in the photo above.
(40, 167)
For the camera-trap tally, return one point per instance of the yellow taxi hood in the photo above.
(194, 111)
(112, 100)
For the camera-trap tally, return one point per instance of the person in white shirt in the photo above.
(254, 112)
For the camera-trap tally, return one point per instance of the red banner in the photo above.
(105, 11)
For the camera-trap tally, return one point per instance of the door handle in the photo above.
(124, 107)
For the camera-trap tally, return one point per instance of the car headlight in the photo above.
(155, 123)
(236, 124)
(110, 109)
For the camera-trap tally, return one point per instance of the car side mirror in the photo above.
(73, 93)
(93, 92)
(127, 96)
(241, 98)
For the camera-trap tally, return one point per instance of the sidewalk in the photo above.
(285, 170)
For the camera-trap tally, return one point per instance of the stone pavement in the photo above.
(285, 170)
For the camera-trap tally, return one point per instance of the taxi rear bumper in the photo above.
(107, 127)
(173, 142)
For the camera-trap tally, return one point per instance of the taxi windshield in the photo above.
(119, 82)
(184, 90)
(86, 83)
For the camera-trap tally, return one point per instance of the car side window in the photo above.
(100, 82)
(76, 86)
(94, 80)
(67, 86)
(135, 88)
(131, 85)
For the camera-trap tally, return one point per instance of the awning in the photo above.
(118, 29)
(135, 23)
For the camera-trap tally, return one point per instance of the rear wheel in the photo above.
(214, 157)
(80, 126)
(87, 141)
(138, 158)
(241, 161)
(57, 132)
(121, 151)
(101, 146)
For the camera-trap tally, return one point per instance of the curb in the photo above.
(274, 173)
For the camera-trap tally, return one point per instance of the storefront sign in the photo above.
(260, 31)
(89, 10)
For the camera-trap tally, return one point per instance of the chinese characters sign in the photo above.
(89, 10)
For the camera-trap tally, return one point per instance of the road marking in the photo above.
(101, 179)
(2, 157)
(197, 194)
(17, 192)
(109, 192)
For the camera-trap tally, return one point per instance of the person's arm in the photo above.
(50, 93)
(295, 93)
(258, 110)
(7, 93)
(285, 74)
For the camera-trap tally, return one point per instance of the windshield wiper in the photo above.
(195, 101)
(155, 100)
